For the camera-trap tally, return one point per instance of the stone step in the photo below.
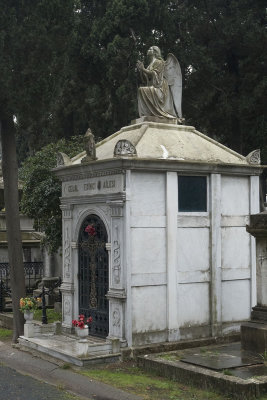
(67, 349)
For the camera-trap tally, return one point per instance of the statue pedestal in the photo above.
(254, 333)
(151, 118)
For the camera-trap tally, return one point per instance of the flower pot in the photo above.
(28, 316)
(82, 333)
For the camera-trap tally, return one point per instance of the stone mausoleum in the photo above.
(155, 246)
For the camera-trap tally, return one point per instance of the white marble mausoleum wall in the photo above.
(214, 268)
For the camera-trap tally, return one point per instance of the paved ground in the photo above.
(15, 386)
(20, 362)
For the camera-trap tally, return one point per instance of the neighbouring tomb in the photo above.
(155, 246)
(30, 238)
(254, 332)
(32, 253)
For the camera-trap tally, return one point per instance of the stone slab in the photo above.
(68, 349)
(223, 358)
(250, 372)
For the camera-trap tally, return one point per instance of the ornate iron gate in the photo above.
(93, 274)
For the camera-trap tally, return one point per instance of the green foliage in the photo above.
(227, 372)
(42, 189)
(221, 48)
(34, 41)
(102, 84)
(66, 65)
(225, 86)
(66, 366)
(264, 356)
(52, 316)
(5, 333)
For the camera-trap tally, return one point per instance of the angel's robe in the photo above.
(155, 98)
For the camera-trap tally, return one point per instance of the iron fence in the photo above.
(33, 272)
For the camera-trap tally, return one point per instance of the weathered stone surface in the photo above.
(124, 148)
(251, 371)
(259, 313)
(254, 337)
(89, 146)
(258, 224)
(223, 357)
(254, 157)
(165, 140)
(62, 159)
(154, 119)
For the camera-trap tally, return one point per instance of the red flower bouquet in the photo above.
(82, 322)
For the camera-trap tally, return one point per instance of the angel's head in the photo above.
(155, 50)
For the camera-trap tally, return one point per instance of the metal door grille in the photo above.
(93, 274)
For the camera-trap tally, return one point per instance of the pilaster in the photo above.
(67, 287)
(66, 231)
(67, 290)
(171, 238)
(116, 294)
(254, 209)
(216, 267)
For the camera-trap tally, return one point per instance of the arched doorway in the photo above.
(93, 274)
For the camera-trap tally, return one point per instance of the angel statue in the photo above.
(162, 94)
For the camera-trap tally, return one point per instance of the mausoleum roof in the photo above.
(166, 141)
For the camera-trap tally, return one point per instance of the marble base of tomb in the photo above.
(254, 336)
(254, 333)
(259, 313)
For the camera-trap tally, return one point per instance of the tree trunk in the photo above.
(10, 178)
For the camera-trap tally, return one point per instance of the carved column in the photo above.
(116, 294)
(67, 287)
(74, 260)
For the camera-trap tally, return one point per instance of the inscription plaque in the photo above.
(92, 186)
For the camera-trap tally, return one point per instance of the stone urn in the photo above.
(82, 332)
(28, 316)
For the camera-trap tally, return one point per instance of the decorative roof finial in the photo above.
(89, 146)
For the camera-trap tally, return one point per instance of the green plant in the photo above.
(66, 366)
(227, 372)
(170, 357)
(264, 356)
(42, 190)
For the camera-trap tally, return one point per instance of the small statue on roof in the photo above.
(162, 94)
(89, 146)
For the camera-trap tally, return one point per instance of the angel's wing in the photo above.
(173, 75)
